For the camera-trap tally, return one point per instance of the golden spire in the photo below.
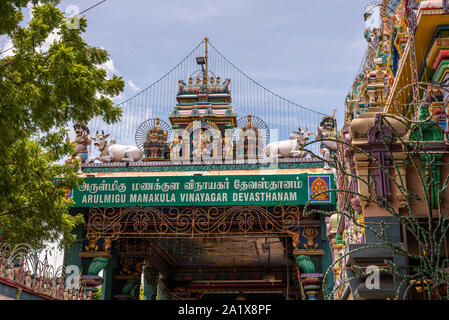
(157, 121)
(206, 40)
(249, 118)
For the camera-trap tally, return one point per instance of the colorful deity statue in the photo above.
(228, 146)
(327, 133)
(176, 148)
(82, 141)
(156, 145)
(201, 145)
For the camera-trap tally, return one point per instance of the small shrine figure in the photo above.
(60, 289)
(2, 268)
(20, 272)
(66, 294)
(41, 286)
(28, 281)
(47, 288)
(176, 148)
(228, 146)
(326, 132)
(82, 141)
(10, 275)
(54, 289)
(156, 145)
(35, 284)
(251, 134)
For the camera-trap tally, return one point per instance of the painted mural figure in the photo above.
(327, 131)
(82, 141)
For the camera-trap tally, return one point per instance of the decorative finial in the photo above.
(211, 80)
(190, 81)
(218, 80)
(249, 117)
(198, 80)
(157, 121)
(206, 39)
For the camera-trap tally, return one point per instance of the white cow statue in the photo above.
(290, 148)
(112, 152)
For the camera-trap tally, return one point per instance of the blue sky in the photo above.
(305, 51)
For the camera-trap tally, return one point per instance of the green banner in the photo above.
(198, 190)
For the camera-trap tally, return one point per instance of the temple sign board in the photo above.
(207, 190)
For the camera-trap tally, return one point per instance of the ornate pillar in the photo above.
(311, 281)
(361, 164)
(399, 174)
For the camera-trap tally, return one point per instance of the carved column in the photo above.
(361, 164)
(399, 174)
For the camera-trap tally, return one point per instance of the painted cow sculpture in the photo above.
(112, 152)
(290, 148)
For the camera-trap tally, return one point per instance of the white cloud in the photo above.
(54, 36)
(133, 86)
(109, 67)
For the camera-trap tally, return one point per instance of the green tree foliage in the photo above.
(41, 93)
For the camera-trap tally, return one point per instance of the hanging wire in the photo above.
(248, 96)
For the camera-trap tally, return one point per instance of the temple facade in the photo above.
(388, 236)
(203, 207)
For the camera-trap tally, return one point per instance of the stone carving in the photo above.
(380, 132)
(112, 152)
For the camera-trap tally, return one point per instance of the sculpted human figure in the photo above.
(20, 272)
(200, 144)
(28, 281)
(227, 146)
(60, 289)
(176, 148)
(326, 131)
(2, 268)
(82, 141)
(11, 271)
